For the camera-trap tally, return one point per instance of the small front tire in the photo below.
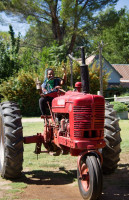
(90, 185)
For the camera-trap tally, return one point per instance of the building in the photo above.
(123, 70)
(118, 78)
(114, 77)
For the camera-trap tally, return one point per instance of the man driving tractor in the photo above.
(50, 84)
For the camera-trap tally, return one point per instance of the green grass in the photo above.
(45, 161)
(12, 188)
(17, 186)
(32, 128)
(124, 125)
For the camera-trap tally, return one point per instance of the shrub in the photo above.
(125, 94)
(118, 90)
(94, 76)
(22, 89)
(119, 107)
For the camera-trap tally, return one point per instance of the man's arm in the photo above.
(43, 86)
(63, 81)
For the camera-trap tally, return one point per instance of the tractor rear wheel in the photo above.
(90, 184)
(111, 152)
(11, 140)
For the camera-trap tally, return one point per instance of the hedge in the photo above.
(22, 89)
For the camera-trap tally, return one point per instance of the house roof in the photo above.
(123, 69)
(89, 60)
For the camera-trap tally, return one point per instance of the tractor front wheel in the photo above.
(11, 140)
(90, 178)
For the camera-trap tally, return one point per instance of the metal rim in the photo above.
(85, 181)
(1, 145)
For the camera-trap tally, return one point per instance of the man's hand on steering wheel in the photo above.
(57, 87)
(53, 78)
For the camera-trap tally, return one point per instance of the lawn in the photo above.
(124, 125)
(44, 160)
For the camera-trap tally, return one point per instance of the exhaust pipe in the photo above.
(84, 73)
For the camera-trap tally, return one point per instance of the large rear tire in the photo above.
(111, 152)
(11, 140)
(90, 185)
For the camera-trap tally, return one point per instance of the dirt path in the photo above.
(56, 185)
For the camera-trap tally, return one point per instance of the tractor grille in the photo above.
(99, 117)
(87, 118)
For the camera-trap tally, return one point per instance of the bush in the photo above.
(119, 107)
(118, 90)
(125, 94)
(22, 89)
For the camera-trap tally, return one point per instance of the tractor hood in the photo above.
(72, 99)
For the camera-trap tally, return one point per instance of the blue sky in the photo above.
(22, 27)
(122, 3)
(18, 27)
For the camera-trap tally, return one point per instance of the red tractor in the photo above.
(75, 126)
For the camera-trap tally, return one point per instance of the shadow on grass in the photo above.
(116, 185)
(40, 177)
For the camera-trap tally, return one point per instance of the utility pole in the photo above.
(101, 67)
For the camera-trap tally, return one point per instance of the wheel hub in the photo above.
(85, 177)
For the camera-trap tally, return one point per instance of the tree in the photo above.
(94, 76)
(65, 18)
(9, 54)
(115, 36)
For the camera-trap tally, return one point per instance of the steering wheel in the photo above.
(54, 91)
(53, 78)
